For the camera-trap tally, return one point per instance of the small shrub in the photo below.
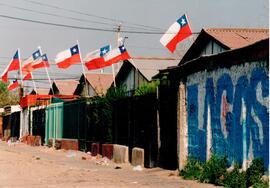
(214, 170)
(255, 172)
(192, 170)
(261, 184)
(147, 88)
(235, 178)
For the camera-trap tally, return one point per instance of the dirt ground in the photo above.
(26, 166)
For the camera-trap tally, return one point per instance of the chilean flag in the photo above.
(14, 64)
(13, 85)
(116, 55)
(68, 57)
(176, 33)
(95, 59)
(28, 76)
(28, 64)
(41, 62)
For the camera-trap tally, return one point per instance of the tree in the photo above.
(6, 97)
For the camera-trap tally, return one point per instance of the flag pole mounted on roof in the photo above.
(176, 33)
(21, 74)
(45, 63)
(83, 70)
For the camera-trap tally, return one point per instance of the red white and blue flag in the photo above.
(13, 85)
(41, 62)
(13, 65)
(177, 32)
(28, 63)
(28, 76)
(116, 55)
(68, 57)
(95, 59)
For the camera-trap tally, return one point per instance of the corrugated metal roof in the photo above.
(237, 37)
(101, 82)
(66, 87)
(150, 66)
(228, 38)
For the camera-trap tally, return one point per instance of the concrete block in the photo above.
(120, 154)
(69, 144)
(30, 140)
(57, 143)
(13, 139)
(24, 139)
(107, 150)
(95, 149)
(137, 157)
(37, 141)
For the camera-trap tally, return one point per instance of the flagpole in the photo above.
(113, 73)
(83, 70)
(47, 72)
(34, 84)
(20, 63)
(117, 43)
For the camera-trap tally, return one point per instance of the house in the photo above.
(217, 40)
(215, 113)
(96, 84)
(133, 73)
(63, 87)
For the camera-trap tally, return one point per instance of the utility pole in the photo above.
(118, 43)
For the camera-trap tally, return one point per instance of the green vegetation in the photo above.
(255, 172)
(147, 88)
(235, 178)
(261, 184)
(6, 97)
(100, 110)
(192, 170)
(215, 171)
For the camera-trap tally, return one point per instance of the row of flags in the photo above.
(97, 59)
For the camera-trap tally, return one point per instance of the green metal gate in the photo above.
(54, 121)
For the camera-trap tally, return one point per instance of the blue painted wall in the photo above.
(228, 113)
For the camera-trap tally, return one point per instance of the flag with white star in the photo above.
(177, 32)
(13, 65)
(95, 59)
(42, 62)
(116, 55)
(27, 66)
(68, 57)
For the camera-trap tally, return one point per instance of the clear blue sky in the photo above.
(133, 13)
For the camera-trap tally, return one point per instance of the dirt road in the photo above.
(26, 166)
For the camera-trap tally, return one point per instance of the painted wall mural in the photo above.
(228, 113)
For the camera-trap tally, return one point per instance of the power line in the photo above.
(66, 17)
(56, 15)
(91, 15)
(84, 28)
(56, 24)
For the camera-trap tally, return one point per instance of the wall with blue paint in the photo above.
(228, 113)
